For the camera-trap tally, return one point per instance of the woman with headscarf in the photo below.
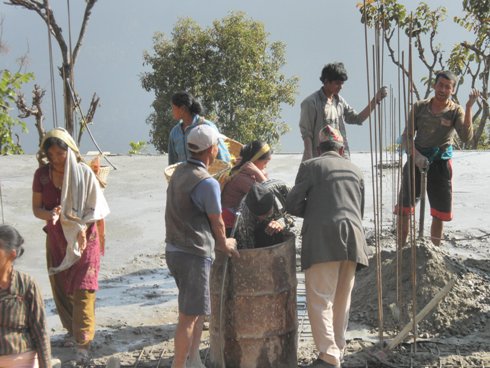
(67, 195)
(254, 158)
(24, 342)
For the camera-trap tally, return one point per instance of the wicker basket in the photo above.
(215, 169)
(234, 147)
(101, 172)
(102, 175)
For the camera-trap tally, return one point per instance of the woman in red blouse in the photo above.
(68, 197)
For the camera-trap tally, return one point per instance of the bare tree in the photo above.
(69, 57)
(35, 110)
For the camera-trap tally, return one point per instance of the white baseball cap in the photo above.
(202, 137)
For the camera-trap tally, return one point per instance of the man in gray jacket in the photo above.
(329, 195)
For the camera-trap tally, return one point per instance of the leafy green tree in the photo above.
(231, 67)
(470, 60)
(10, 84)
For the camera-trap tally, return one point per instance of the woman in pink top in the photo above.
(254, 158)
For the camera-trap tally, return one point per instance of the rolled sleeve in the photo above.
(465, 133)
(350, 115)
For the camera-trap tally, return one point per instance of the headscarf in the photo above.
(63, 135)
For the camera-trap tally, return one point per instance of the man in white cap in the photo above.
(329, 195)
(194, 228)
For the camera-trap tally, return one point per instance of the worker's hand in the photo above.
(55, 214)
(474, 94)
(82, 239)
(382, 93)
(254, 171)
(421, 161)
(250, 167)
(231, 250)
(273, 227)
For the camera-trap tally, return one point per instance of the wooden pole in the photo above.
(421, 315)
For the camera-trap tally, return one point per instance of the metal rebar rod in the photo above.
(412, 230)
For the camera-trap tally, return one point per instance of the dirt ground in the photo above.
(136, 303)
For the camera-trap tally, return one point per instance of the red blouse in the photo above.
(83, 275)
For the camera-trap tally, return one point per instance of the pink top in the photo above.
(83, 275)
(237, 188)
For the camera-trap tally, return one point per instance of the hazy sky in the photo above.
(110, 62)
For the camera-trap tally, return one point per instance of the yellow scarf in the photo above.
(265, 148)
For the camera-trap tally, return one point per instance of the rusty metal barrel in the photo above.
(258, 308)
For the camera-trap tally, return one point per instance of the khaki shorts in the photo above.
(191, 274)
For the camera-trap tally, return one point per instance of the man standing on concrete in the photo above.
(327, 107)
(436, 120)
(193, 228)
(329, 195)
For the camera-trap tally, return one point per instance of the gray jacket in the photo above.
(312, 118)
(329, 195)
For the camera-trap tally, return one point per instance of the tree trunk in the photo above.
(481, 128)
(69, 105)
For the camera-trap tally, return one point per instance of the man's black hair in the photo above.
(334, 72)
(328, 146)
(446, 74)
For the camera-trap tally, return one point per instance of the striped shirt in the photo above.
(23, 320)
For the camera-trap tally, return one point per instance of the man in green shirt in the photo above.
(435, 122)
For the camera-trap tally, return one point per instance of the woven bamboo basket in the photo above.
(234, 147)
(103, 175)
(215, 169)
(101, 172)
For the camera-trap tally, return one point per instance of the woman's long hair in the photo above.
(183, 98)
(250, 150)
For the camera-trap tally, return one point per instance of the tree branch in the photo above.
(86, 16)
(47, 15)
(35, 110)
(89, 117)
(391, 52)
(473, 48)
